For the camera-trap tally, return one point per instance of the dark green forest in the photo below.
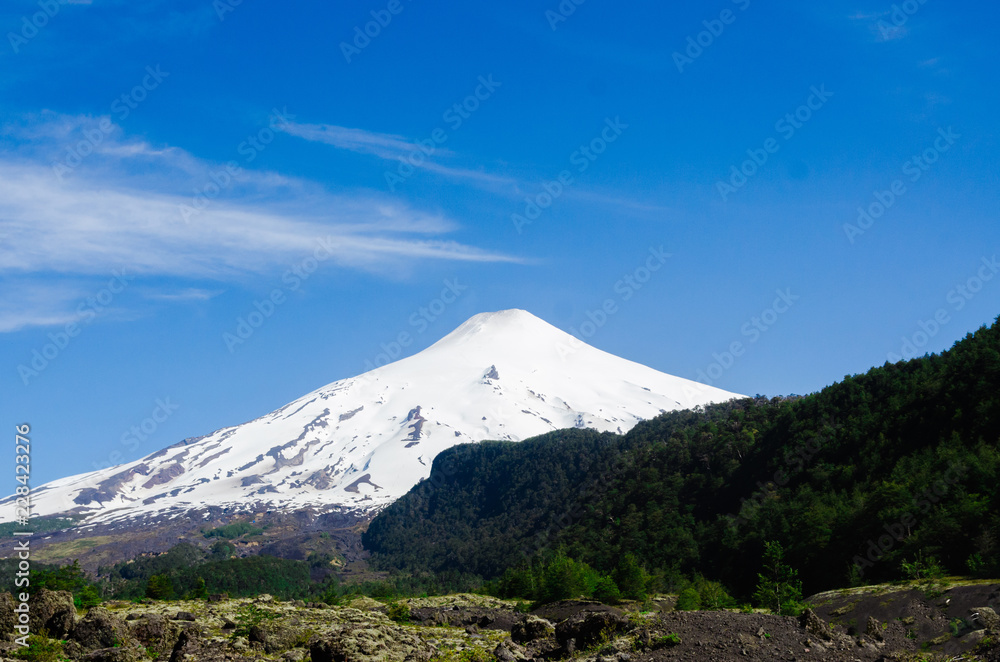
(870, 473)
(185, 571)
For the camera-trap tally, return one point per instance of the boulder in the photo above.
(276, 637)
(192, 646)
(185, 616)
(531, 628)
(589, 628)
(116, 654)
(370, 642)
(985, 618)
(8, 619)
(155, 632)
(508, 651)
(503, 654)
(101, 629)
(874, 629)
(52, 611)
(815, 625)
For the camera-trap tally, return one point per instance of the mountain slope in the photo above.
(853, 480)
(360, 443)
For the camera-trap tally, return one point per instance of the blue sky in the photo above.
(167, 168)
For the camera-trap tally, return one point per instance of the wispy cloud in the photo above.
(27, 304)
(881, 25)
(382, 145)
(866, 16)
(619, 202)
(83, 227)
(187, 294)
(391, 147)
(122, 208)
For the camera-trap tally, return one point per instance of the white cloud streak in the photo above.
(382, 145)
(120, 208)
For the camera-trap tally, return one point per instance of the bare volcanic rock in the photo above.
(815, 625)
(155, 632)
(371, 642)
(531, 628)
(277, 637)
(8, 619)
(591, 627)
(115, 654)
(101, 629)
(52, 611)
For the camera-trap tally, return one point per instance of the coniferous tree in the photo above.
(778, 588)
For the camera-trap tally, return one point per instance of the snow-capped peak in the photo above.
(362, 442)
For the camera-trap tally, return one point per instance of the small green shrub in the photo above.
(631, 578)
(249, 615)
(956, 625)
(713, 594)
(159, 587)
(688, 600)
(778, 587)
(665, 641)
(199, 592)
(399, 612)
(927, 571)
(234, 530)
(468, 655)
(607, 591)
(977, 567)
(88, 597)
(42, 649)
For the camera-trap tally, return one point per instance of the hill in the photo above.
(898, 464)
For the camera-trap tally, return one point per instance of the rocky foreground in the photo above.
(473, 628)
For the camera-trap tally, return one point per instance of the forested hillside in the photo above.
(878, 469)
